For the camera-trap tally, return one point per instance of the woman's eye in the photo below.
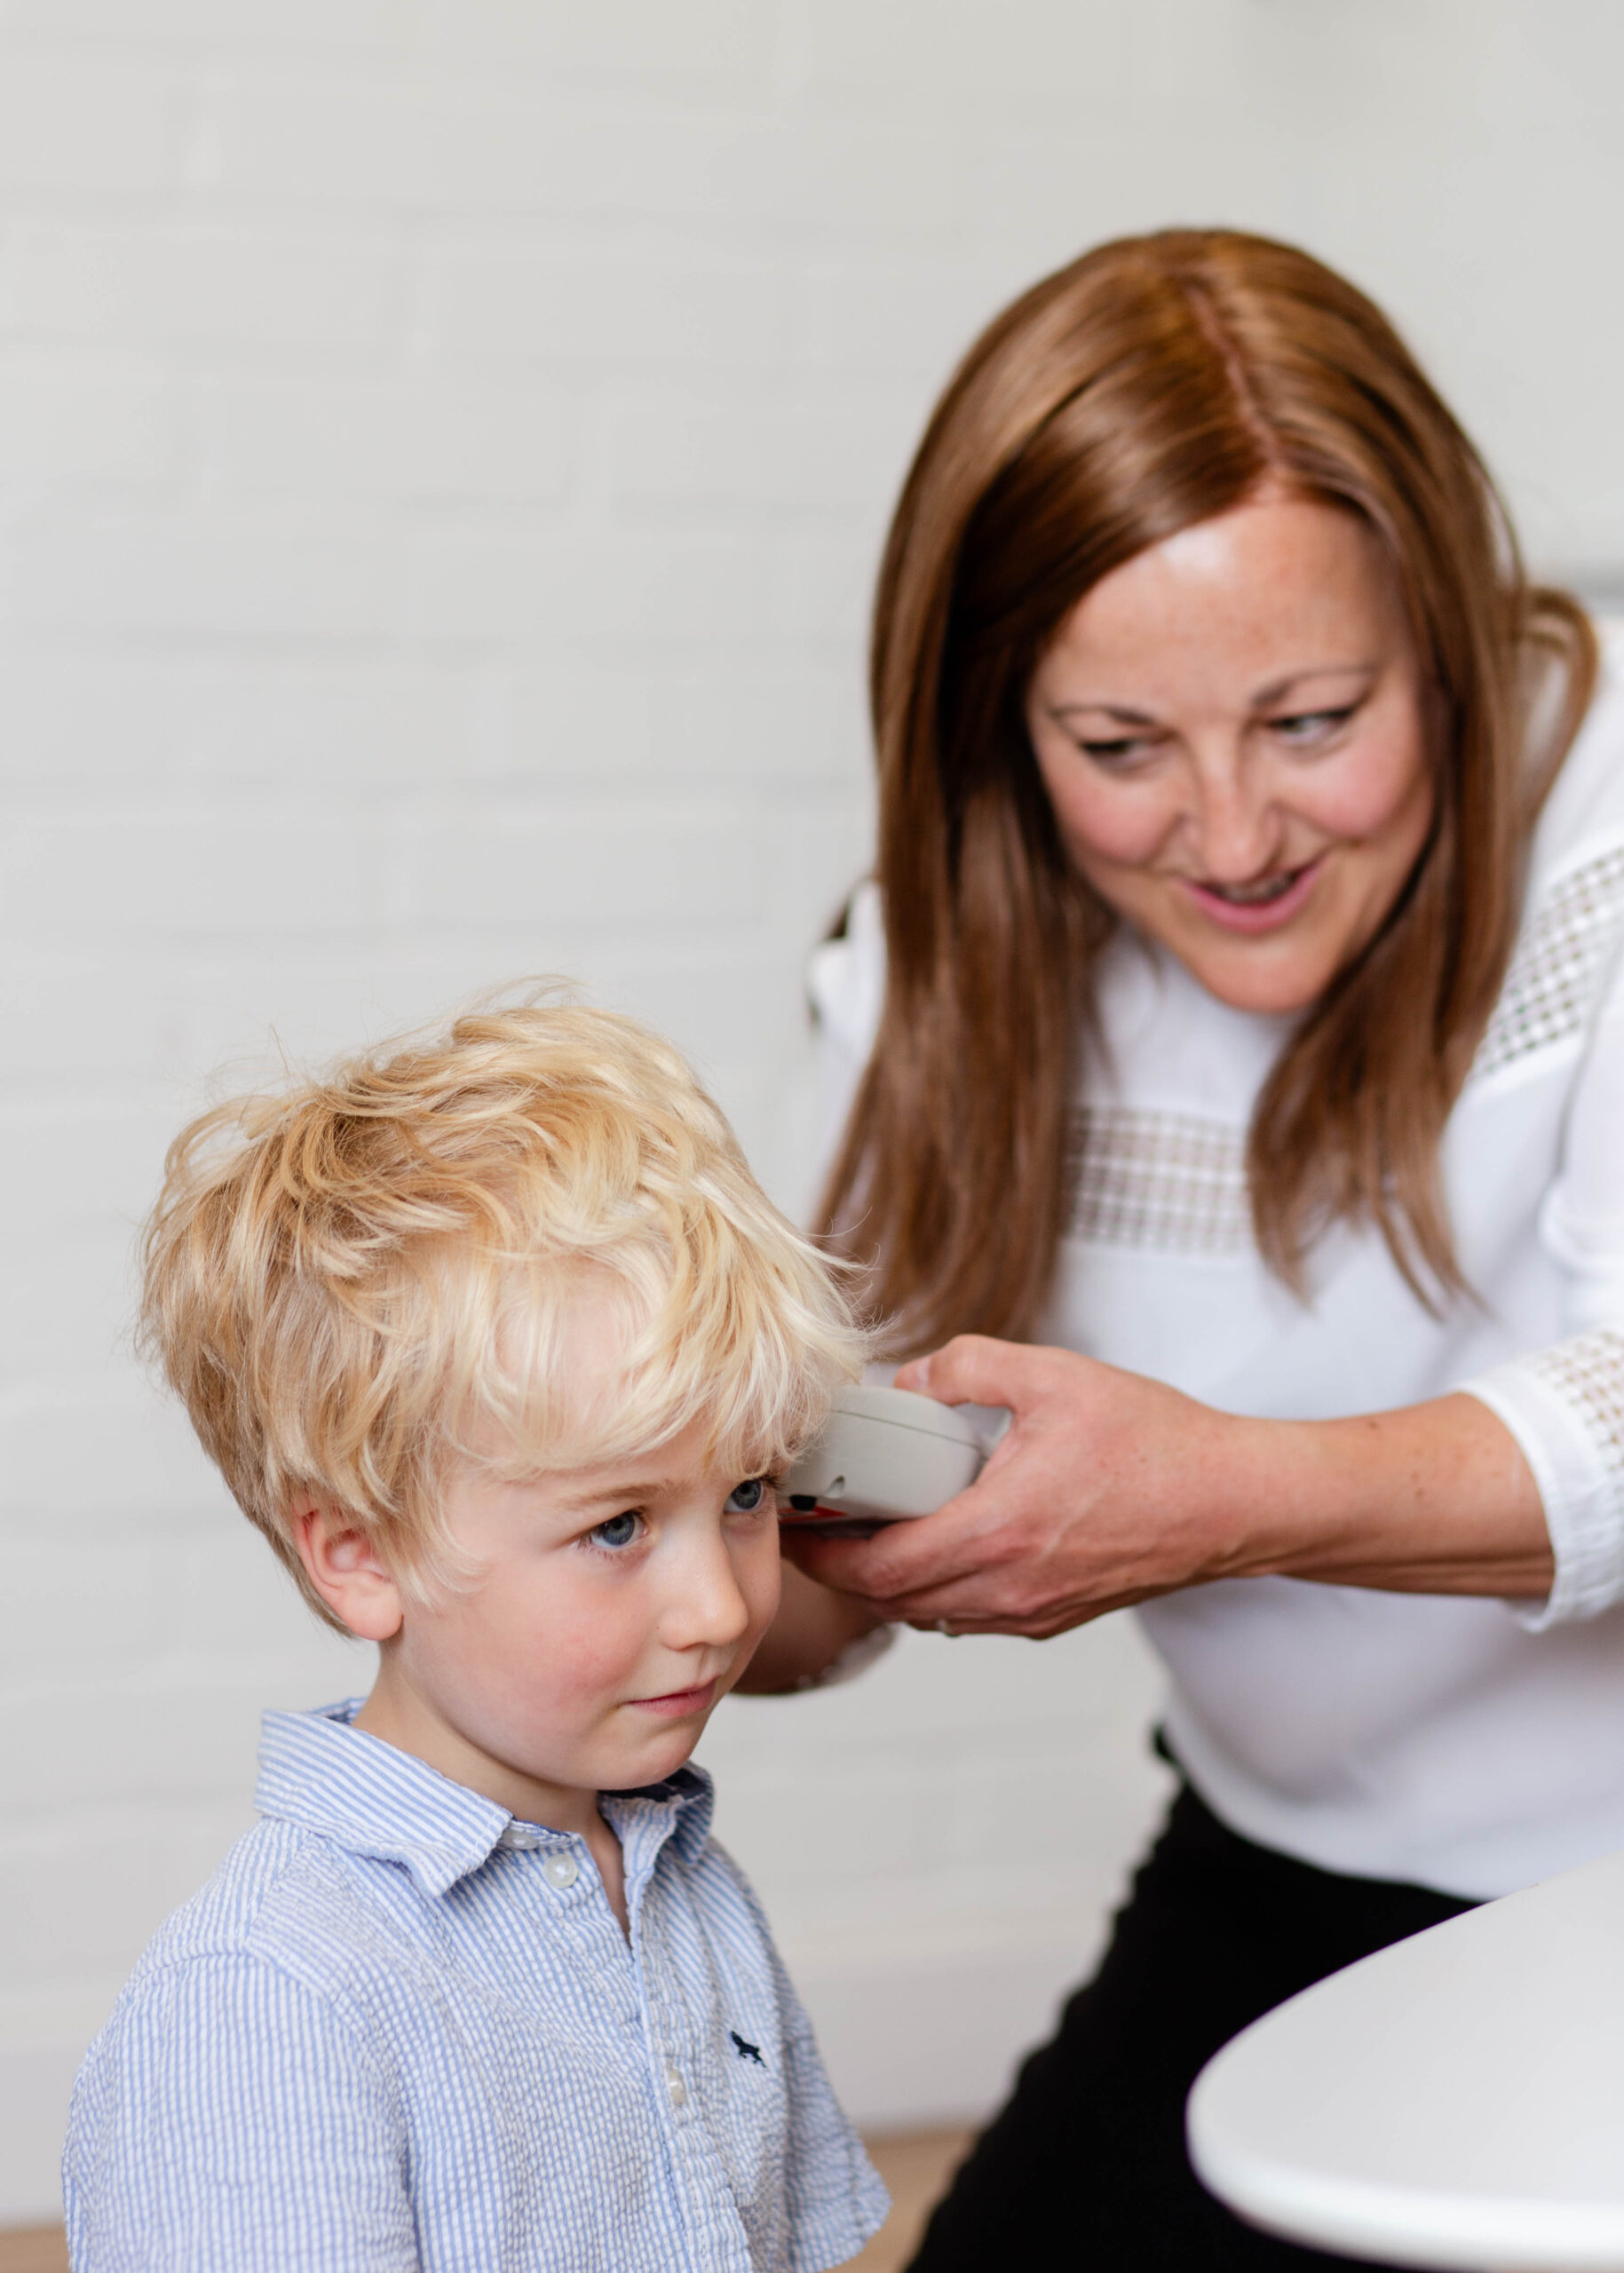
(1312, 725)
(619, 1530)
(1118, 752)
(746, 1499)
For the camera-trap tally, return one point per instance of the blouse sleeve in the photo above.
(1565, 1404)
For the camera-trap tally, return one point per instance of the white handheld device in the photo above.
(885, 1454)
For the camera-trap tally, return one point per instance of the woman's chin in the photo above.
(1276, 978)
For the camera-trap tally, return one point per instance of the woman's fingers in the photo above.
(901, 1561)
(971, 1369)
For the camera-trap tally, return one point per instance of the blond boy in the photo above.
(497, 1341)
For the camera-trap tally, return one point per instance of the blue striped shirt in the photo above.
(398, 2029)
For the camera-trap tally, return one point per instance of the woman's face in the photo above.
(1232, 731)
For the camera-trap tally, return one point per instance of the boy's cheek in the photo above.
(762, 1582)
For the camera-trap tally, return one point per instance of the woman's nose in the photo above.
(1236, 825)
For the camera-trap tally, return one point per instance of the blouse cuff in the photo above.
(1564, 1405)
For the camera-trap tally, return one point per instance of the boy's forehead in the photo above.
(583, 1474)
(585, 1393)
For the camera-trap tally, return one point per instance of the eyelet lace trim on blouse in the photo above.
(1167, 1180)
(1587, 1373)
(1558, 967)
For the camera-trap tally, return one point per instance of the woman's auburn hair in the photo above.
(1153, 383)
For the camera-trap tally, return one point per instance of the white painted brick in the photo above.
(372, 145)
(106, 1453)
(69, 125)
(341, 25)
(312, 576)
(825, 181)
(186, 872)
(633, 594)
(77, 421)
(610, 309)
(53, 1911)
(724, 39)
(150, 1741)
(821, 585)
(746, 724)
(116, 721)
(455, 445)
(915, 317)
(269, 291)
(666, 864)
(828, 452)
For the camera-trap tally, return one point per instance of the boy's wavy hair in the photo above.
(1153, 383)
(366, 1280)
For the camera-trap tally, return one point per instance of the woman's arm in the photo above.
(1110, 1488)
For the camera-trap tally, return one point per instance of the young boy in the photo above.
(497, 1342)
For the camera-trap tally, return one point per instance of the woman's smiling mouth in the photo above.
(1262, 906)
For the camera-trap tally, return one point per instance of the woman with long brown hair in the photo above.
(1238, 1099)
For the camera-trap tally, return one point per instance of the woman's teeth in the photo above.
(1256, 895)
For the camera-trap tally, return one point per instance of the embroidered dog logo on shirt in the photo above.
(746, 2051)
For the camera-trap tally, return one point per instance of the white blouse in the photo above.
(1469, 1744)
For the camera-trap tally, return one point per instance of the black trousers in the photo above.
(1086, 2166)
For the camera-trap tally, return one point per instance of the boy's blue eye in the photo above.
(619, 1530)
(745, 1498)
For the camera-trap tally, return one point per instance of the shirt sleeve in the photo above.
(1565, 1404)
(835, 2198)
(228, 2116)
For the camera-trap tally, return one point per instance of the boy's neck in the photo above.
(397, 1716)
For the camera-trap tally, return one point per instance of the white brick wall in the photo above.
(443, 448)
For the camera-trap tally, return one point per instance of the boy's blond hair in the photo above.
(361, 1282)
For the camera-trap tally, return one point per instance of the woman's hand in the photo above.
(1109, 1488)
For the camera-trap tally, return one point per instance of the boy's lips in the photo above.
(677, 1704)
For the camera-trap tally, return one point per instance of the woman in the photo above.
(1242, 1104)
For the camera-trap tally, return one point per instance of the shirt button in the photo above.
(561, 1870)
(516, 1835)
(676, 2091)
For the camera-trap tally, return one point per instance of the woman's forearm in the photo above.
(1433, 1499)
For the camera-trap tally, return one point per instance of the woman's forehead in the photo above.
(1255, 597)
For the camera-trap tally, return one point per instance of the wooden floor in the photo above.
(916, 2168)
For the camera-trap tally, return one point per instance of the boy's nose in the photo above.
(706, 1608)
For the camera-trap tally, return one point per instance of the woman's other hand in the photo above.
(1108, 1488)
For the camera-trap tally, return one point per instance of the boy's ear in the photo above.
(348, 1572)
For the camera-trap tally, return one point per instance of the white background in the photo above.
(444, 446)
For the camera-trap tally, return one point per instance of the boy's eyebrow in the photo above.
(630, 1488)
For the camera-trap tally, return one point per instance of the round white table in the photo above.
(1455, 2101)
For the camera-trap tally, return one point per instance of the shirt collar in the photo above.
(371, 1799)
